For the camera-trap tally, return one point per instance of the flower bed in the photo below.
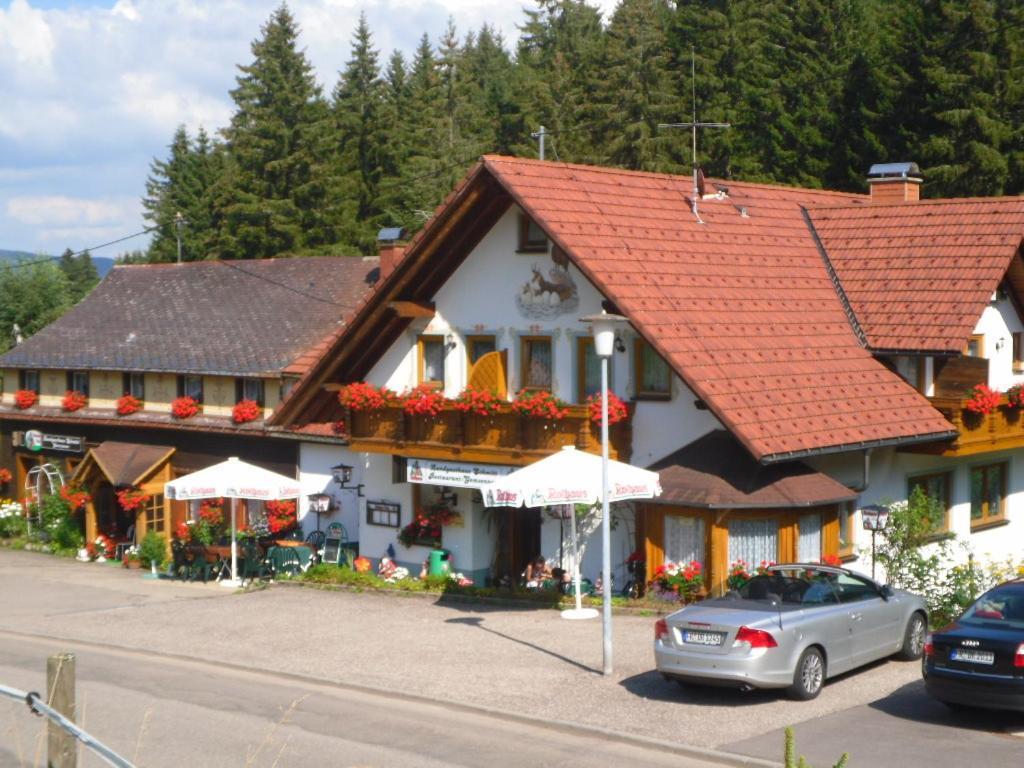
(245, 411)
(74, 400)
(25, 398)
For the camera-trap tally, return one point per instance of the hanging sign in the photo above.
(38, 441)
(453, 473)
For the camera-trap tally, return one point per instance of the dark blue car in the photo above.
(978, 661)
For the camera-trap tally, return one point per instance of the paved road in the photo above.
(528, 662)
(159, 712)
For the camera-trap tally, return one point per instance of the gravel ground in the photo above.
(527, 661)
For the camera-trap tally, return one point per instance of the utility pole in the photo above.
(179, 222)
(694, 125)
(540, 134)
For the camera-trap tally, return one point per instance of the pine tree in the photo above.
(278, 146)
(80, 273)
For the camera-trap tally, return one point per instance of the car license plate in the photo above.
(702, 638)
(974, 657)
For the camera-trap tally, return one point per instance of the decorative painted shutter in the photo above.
(489, 372)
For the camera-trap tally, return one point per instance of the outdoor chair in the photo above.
(200, 563)
(315, 542)
(179, 560)
(254, 565)
(285, 561)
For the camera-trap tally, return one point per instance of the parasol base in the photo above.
(232, 583)
(580, 613)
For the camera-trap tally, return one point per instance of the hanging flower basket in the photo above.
(25, 398)
(482, 402)
(1015, 396)
(982, 400)
(424, 400)
(76, 497)
(617, 410)
(360, 396)
(74, 400)
(245, 411)
(539, 404)
(184, 407)
(128, 404)
(281, 516)
(5, 476)
(183, 533)
(131, 499)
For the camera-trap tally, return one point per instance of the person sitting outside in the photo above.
(538, 574)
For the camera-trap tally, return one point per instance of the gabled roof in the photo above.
(230, 318)
(715, 472)
(742, 306)
(125, 463)
(918, 275)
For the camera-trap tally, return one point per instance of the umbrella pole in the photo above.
(575, 556)
(234, 542)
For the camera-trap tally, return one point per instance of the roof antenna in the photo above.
(540, 135)
(698, 177)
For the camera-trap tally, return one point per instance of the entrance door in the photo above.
(525, 538)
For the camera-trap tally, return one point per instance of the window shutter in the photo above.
(489, 373)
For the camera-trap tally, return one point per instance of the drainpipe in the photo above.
(865, 475)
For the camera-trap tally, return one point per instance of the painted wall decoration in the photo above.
(545, 296)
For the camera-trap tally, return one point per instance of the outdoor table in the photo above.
(277, 557)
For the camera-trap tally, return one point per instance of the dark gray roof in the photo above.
(213, 317)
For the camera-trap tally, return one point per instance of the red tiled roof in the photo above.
(742, 306)
(919, 275)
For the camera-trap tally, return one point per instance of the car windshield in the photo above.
(803, 587)
(1003, 605)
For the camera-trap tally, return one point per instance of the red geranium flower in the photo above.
(360, 396)
(482, 402)
(423, 400)
(982, 400)
(539, 404)
(74, 400)
(128, 404)
(617, 410)
(245, 410)
(184, 407)
(25, 398)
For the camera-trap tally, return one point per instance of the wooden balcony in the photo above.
(503, 438)
(977, 432)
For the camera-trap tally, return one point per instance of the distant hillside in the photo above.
(102, 263)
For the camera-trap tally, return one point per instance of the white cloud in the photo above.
(26, 37)
(59, 210)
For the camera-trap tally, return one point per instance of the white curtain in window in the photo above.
(753, 541)
(808, 548)
(684, 539)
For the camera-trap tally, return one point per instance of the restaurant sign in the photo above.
(453, 473)
(39, 441)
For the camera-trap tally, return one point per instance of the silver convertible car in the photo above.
(792, 628)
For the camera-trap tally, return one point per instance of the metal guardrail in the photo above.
(39, 708)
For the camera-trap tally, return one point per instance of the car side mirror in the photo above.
(886, 592)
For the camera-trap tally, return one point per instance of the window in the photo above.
(853, 590)
(135, 385)
(155, 513)
(249, 389)
(988, 494)
(975, 346)
(431, 349)
(653, 377)
(588, 369)
(29, 380)
(191, 386)
(935, 487)
(808, 545)
(478, 346)
(1018, 351)
(684, 539)
(78, 381)
(753, 540)
(531, 237)
(535, 362)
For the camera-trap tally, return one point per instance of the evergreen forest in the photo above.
(815, 92)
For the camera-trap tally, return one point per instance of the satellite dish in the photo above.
(700, 182)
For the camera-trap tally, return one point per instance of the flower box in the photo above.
(74, 400)
(25, 398)
(184, 407)
(245, 411)
(128, 404)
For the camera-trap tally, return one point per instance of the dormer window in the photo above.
(191, 386)
(134, 384)
(531, 237)
(975, 346)
(29, 380)
(78, 381)
(249, 389)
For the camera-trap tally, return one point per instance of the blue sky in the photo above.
(91, 92)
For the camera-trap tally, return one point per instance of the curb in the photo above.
(709, 756)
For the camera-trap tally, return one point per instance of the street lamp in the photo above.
(603, 327)
(342, 474)
(319, 503)
(874, 518)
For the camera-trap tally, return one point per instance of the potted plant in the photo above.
(281, 516)
(184, 407)
(5, 476)
(539, 404)
(245, 411)
(153, 550)
(678, 581)
(131, 558)
(481, 402)
(128, 404)
(617, 410)
(74, 400)
(982, 399)
(131, 499)
(25, 398)
(360, 396)
(739, 574)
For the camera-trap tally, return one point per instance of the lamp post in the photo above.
(319, 503)
(874, 518)
(603, 327)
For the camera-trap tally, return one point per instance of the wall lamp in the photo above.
(342, 474)
(620, 345)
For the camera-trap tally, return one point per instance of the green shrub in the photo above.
(67, 534)
(13, 525)
(790, 759)
(153, 549)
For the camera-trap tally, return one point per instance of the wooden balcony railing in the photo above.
(505, 437)
(977, 432)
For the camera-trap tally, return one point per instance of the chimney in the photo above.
(390, 249)
(895, 182)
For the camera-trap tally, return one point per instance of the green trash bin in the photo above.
(437, 563)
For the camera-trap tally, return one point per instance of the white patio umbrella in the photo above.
(233, 479)
(567, 478)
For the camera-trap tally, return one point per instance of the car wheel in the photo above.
(809, 676)
(913, 639)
